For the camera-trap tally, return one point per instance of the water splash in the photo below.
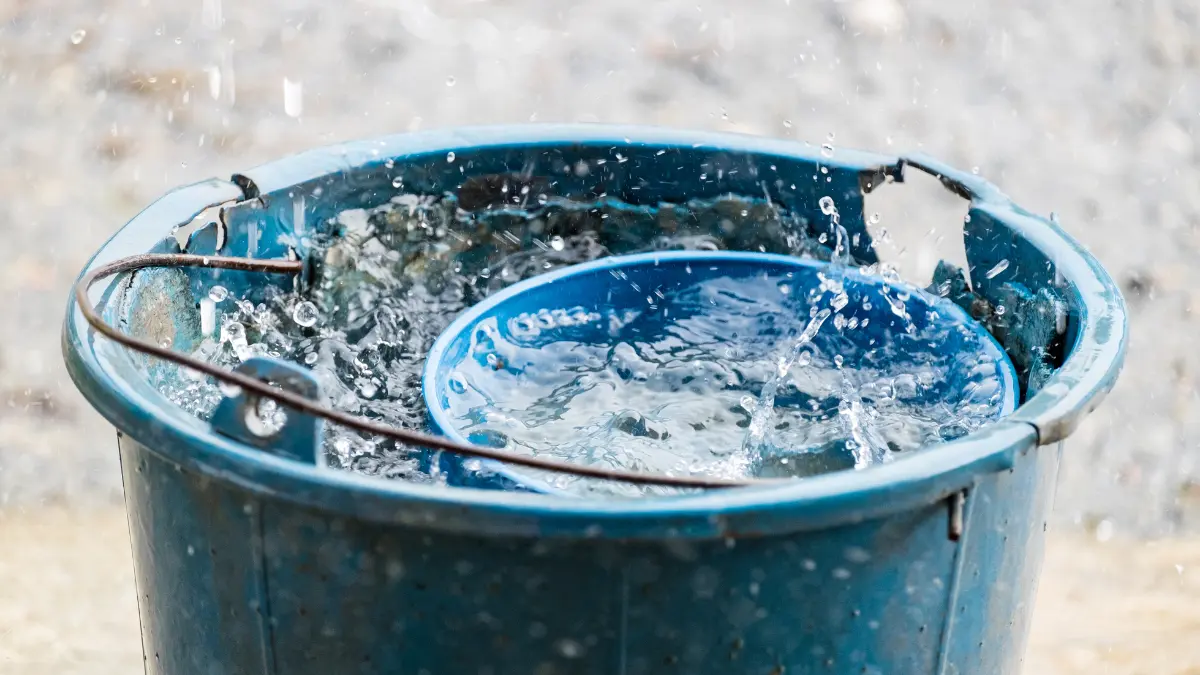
(391, 278)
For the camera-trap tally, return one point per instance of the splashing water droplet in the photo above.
(787, 124)
(873, 219)
(450, 81)
(305, 314)
(827, 206)
(557, 243)
(78, 36)
(450, 157)
(218, 293)
(232, 332)
(310, 358)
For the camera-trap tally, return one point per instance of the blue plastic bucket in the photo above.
(522, 317)
(249, 559)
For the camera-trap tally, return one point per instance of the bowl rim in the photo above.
(434, 373)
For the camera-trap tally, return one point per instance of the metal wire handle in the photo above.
(308, 406)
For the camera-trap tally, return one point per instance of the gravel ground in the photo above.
(1084, 108)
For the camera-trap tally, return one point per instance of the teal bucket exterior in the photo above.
(256, 560)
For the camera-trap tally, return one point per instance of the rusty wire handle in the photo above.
(305, 405)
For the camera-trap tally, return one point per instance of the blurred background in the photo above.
(1088, 109)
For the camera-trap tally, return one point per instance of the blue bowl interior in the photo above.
(624, 288)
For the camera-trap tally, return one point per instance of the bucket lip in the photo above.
(466, 320)
(836, 498)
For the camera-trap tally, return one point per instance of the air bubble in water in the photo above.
(827, 205)
(78, 36)
(305, 314)
(557, 243)
(218, 293)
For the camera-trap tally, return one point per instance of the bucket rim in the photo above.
(435, 360)
(913, 481)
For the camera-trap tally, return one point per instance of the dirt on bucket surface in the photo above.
(68, 606)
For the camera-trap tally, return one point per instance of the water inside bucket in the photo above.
(721, 365)
(394, 277)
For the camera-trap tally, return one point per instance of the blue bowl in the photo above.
(524, 314)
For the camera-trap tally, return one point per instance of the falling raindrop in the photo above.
(570, 648)
(211, 14)
(997, 269)
(214, 81)
(293, 97)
